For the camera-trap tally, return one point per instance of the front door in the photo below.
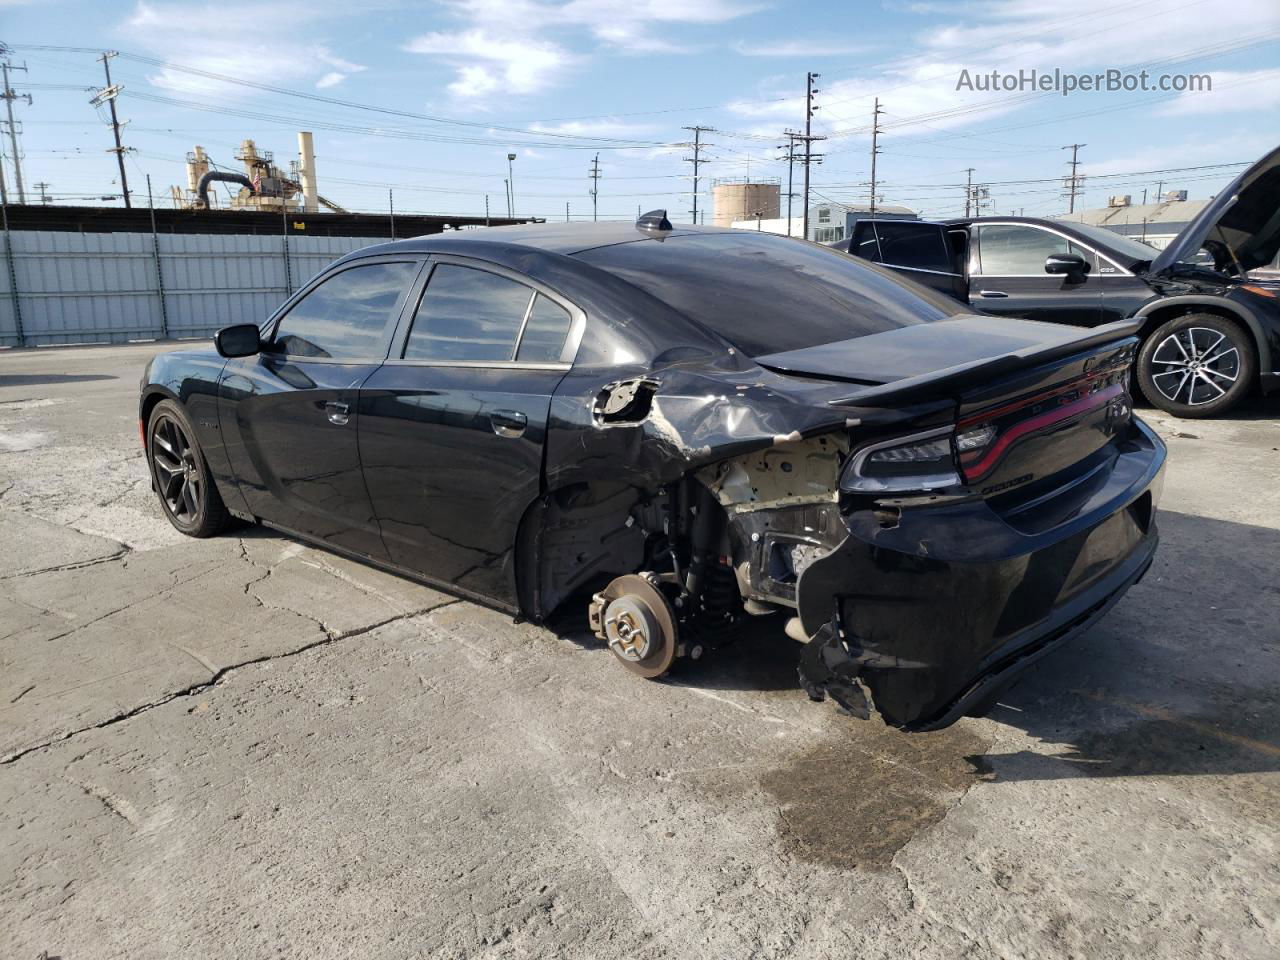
(1010, 280)
(452, 428)
(290, 415)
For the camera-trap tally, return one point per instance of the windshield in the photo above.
(767, 294)
(1129, 250)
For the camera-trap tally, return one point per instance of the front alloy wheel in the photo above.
(1197, 366)
(180, 475)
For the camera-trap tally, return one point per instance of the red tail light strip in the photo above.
(1050, 417)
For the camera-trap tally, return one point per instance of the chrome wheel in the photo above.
(177, 469)
(1195, 366)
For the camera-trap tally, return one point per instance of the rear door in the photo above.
(915, 248)
(452, 427)
(1010, 279)
(290, 414)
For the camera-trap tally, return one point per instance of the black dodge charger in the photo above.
(674, 429)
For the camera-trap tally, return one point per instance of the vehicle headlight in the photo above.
(923, 461)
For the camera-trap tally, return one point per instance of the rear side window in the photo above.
(1012, 249)
(345, 317)
(767, 294)
(917, 246)
(468, 315)
(544, 334)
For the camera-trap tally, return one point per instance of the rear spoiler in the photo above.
(948, 381)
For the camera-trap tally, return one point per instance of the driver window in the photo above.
(1010, 249)
(344, 318)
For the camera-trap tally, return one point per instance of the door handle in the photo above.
(338, 413)
(992, 293)
(508, 423)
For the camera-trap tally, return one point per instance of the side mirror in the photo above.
(240, 340)
(1071, 264)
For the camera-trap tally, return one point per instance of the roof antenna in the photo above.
(654, 224)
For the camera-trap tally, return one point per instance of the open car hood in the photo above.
(1241, 225)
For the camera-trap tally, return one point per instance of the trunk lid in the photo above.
(1032, 400)
(1241, 225)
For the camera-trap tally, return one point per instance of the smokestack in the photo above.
(307, 172)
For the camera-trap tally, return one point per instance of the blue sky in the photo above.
(556, 81)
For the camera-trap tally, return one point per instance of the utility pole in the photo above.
(875, 149)
(594, 174)
(809, 91)
(1159, 191)
(391, 208)
(696, 160)
(486, 210)
(9, 96)
(506, 187)
(108, 95)
(968, 190)
(790, 147)
(1073, 181)
(511, 186)
(43, 189)
(566, 211)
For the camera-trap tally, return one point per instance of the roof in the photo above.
(1172, 212)
(562, 238)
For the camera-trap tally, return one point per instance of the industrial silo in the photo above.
(739, 198)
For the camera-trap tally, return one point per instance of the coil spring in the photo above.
(720, 607)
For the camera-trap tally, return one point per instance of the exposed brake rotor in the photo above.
(637, 622)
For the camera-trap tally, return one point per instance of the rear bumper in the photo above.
(934, 616)
(1270, 382)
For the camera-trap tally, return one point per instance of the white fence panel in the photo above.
(115, 287)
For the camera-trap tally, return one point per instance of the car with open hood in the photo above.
(1210, 329)
(671, 429)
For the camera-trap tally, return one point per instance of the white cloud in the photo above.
(507, 46)
(797, 48)
(595, 128)
(1255, 91)
(228, 39)
(507, 64)
(1010, 35)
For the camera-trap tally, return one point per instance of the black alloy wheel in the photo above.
(1199, 365)
(180, 475)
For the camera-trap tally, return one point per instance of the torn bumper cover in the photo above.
(931, 619)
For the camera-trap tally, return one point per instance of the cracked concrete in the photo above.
(245, 747)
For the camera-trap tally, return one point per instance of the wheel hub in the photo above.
(630, 627)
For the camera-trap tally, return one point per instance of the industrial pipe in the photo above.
(202, 188)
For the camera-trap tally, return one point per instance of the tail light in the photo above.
(923, 461)
(985, 439)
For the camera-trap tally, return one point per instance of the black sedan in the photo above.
(1210, 323)
(676, 429)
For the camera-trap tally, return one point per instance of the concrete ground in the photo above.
(244, 747)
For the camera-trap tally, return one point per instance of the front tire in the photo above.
(1200, 365)
(180, 475)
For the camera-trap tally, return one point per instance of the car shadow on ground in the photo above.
(42, 379)
(1179, 679)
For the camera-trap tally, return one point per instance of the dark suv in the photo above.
(1211, 330)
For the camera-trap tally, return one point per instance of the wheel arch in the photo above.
(152, 394)
(1160, 312)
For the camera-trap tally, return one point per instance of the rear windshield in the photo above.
(767, 294)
